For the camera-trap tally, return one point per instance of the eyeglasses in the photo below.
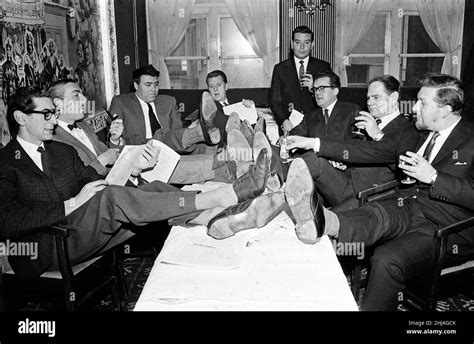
(48, 114)
(320, 88)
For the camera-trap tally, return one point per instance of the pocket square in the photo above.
(459, 163)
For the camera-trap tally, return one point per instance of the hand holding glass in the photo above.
(407, 180)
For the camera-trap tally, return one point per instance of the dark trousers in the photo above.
(335, 186)
(97, 225)
(405, 247)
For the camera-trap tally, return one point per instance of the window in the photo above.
(419, 54)
(237, 58)
(213, 41)
(368, 57)
(397, 44)
(188, 63)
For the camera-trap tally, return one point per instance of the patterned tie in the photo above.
(326, 116)
(153, 121)
(430, 145)
(301, 71)
(44, 159)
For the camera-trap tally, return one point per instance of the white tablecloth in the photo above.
(276, 272)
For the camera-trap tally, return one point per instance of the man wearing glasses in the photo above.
(337, 182)
(44, 183)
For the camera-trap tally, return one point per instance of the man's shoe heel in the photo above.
(306, 232)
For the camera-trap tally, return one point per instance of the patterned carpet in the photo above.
(138, 269)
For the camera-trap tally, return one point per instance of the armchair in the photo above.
(426, 298)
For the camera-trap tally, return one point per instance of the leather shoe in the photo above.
(261, 125)
(252, 184)
(253, 213)
(233, 122)
(208, 110)
(304, 202)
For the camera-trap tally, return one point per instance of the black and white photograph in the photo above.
(277, 156)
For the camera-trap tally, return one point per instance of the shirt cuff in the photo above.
(317, 144)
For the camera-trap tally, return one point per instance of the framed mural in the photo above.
(45, 41)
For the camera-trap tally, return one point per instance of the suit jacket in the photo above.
(87, 156)
(451, 198)
(285, 88)
(364, 177)
(339, 125)
(30, 200)
(128, 108)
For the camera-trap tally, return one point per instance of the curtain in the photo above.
(443, 21)
(354, 20)
(167, 23)
(259, 24)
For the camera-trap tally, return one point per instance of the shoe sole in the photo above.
(238, 147)
(299, 191)
(260, 212)
(209, 108)
(259, 142)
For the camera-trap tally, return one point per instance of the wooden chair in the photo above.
(78, 284)
(424, 299)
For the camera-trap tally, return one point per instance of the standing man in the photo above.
(441, 160)
(148, 115)
(70, 105)
(292, 79)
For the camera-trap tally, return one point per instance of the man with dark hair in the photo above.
(147, 115)
(292, 79)
(44, 183)
(70, 105)
(216, 81)
(440, 158)
(337, 181)
(332, 118)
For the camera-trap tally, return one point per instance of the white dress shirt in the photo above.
(144, 106)
(32, 151)
(443, 136)
(330, 107)
(79, 134)
(387, 119)
(297, 65)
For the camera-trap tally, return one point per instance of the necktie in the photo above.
(378, 121)
(44, 160)
(326, 116)
(429, 147)
(226, 103)
(301, 70)
(72, 126)
(153, 121)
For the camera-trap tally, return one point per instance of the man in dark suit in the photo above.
(339, 182)
(44, 183)
(441, 159)
(70, 103)
(147, 115)
(217, 86)
(292, 79)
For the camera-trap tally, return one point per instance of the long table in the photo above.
(257, 269)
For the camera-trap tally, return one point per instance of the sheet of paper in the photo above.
(123, 167)
(296, 117)
(245, 113)
(167, 161)
(204, 255)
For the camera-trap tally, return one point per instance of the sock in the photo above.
(192, 136)
(332, 223)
